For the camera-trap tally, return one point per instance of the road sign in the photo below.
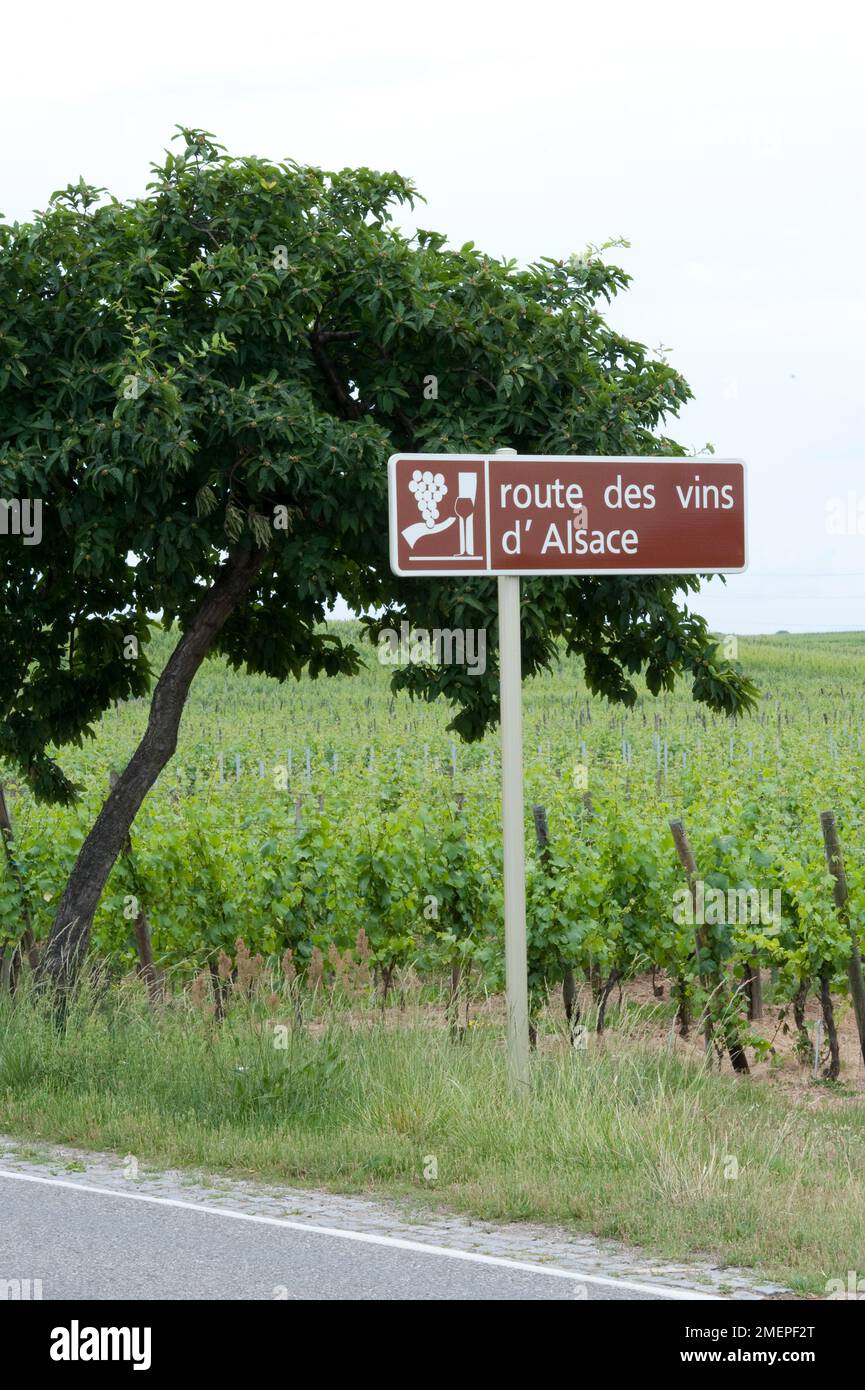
(548, 514)
(513, 515)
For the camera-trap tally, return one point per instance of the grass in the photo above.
(638, 1145)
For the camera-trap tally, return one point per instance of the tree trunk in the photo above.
(70, 931)
(718, 994)
(596, 980)
(738, 1057)
(799, 1002)
(803, 1042)
(854, 965)
(606, 991)
(684, 1013)
(569, 998)
(385, 981)
(538, 999)
(141, 926)
(832, 1071)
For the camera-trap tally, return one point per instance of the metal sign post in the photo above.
(513, 822)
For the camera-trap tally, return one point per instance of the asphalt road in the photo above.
(85, 1242)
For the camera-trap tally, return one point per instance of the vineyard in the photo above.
(331, 835)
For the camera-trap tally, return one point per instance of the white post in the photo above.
(513, 822)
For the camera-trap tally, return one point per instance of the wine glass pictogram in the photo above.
(464, 506)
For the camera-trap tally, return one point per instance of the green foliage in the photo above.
(230, 360)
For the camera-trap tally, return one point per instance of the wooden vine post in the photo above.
(835, 861)
(452, 1012)
(716, 981)
(569, 984)
(592, 973)
(754, 986)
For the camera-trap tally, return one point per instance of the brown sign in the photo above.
(543, 514)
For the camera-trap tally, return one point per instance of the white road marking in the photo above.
(368, 1238)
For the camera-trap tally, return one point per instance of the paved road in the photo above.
(86, 1242)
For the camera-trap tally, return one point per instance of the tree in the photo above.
(202, 387)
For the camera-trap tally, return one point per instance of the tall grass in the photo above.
(640, 1145)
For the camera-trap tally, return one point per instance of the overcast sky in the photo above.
(725, 142)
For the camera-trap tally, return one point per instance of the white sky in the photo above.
(725, 142)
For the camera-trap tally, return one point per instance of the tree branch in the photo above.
(342, 335)
(349, 407)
